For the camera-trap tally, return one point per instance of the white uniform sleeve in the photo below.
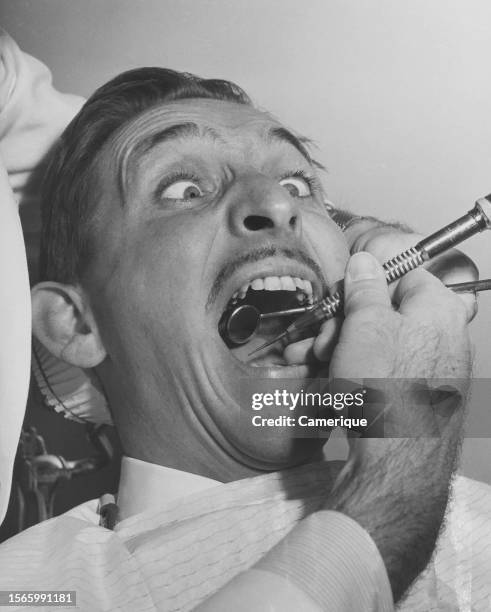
(32, 115)
(327, 562)
(332, 559)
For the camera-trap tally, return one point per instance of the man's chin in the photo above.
(271, 400)
(276, 449)
(266, 437)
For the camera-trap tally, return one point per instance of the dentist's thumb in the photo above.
(365, 285)
(368, 338)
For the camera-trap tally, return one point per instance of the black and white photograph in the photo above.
(245, 305)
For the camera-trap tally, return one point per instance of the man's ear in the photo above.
(63, 322)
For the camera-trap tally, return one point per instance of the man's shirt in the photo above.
(144, 485)
(176, 554)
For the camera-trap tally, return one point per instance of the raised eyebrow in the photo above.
(299, 142)
(284, 135)
(188, 129)
(180, 130)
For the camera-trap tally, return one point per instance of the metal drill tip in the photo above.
(484, 205)
(269, 343)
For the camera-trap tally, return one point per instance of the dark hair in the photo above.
(67, 195)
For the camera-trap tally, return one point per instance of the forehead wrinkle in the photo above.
(136, 146)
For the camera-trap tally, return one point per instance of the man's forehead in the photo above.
(216, 115)
(220, 120)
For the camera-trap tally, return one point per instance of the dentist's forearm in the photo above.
(400, 502)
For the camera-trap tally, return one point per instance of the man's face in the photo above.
(201, 201)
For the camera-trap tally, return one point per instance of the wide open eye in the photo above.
(297, 186)
(182, 190)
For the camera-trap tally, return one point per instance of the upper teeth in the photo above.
(277, 283)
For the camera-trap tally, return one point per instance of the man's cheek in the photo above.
(330, 250)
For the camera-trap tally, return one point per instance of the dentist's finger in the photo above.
(370, 322)
(457, 267)
(303, 351)
(327, 339)
(300, 352)
(422, 295)
(365, 285)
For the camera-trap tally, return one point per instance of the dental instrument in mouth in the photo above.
(475, 221)
(242, 323)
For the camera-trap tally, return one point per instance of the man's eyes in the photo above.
(188, 188)
(182, 190)
(297, 185)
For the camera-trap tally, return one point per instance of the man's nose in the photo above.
(260, 204)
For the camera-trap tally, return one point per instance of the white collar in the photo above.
(143, 485)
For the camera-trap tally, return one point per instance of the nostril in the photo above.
(256, 222)
(293, 222)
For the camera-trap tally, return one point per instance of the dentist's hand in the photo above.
(426, 337)
(384, 242)
(397, 487)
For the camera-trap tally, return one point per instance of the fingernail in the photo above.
(362, 266)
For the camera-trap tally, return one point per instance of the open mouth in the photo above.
(268, 294)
